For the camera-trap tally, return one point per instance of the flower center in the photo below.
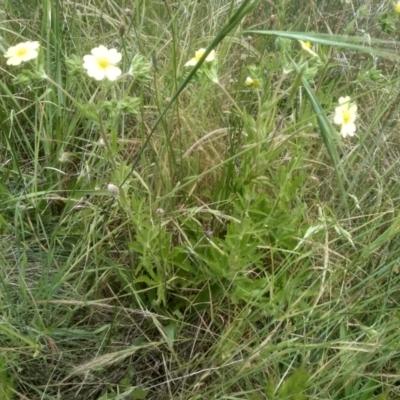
(199, 54)
(307, 44)
(21, 52)
(103, 63)
(346, 117)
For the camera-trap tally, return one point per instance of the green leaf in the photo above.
(293, 386)
(270, 389)
(138, 394)
(382, 396)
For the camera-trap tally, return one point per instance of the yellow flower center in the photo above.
(103, 63)
(21, 52)
(346, 116)
(198, 55)
(307, 44)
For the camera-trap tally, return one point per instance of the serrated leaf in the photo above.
(270, 389)
(293, 386)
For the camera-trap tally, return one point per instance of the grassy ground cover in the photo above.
(208, 221)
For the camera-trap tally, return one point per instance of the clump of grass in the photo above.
(200, 231)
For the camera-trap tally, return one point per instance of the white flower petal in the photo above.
(345, 115)
(338, 118)
(343, 100)
(14, 61)
(98, 75)
(115, 56)
(100, 51)
(29, 56)
(199, 53)
(211, 56)
(353, 109)
(348, 129)
(101, 63)
(89, 59)
(112, 73)
(32, 45)
(22, 52)
(191, 63)
(90, 63)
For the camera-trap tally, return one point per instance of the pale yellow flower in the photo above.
(307, 47)
(345, 115)
(397, 7)
(102, 63)
(253, 83)
(22, 52)
(199, 53)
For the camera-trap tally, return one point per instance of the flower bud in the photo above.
(113, 189)
(122, 29)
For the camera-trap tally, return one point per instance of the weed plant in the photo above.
(197, 226)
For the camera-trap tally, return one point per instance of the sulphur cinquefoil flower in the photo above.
(397, 7)
(345, 115)
(199, 53)
(22, 52)
(253, 83)
(307, 47)
(102, 63)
